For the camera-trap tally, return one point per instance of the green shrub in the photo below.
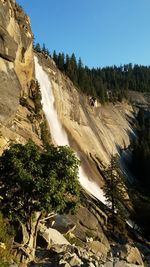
(35, 180)
(6, 239)
(45, 133)
(37, 98)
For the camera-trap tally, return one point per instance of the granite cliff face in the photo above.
(96, 132)
(16, 75)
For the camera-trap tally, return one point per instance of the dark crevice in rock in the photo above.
(7, 57)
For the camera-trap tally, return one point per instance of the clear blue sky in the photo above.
(101, 32)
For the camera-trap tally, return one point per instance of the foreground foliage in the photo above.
(33, 181)
(141, 150)
(140, 166)
(6, 239)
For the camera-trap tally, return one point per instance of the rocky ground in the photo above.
(83, 240)
(92, 255)
(69, 256)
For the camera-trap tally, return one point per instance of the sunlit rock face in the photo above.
(16, 39)
(94, 132)
(58, 133)
(16, 62)
(16, 74)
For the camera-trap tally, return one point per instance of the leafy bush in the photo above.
(32, 180)
(6, 239)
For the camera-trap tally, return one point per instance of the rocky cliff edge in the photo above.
(17, 120)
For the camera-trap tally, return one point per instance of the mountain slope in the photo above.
(94, 131)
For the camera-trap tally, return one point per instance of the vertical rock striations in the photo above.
(94, 132)
(17, 122)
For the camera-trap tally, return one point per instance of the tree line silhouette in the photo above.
(141, 150)
(107, 83)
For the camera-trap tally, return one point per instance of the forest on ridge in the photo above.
(109, 83)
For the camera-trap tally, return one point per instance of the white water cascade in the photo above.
(58, 133)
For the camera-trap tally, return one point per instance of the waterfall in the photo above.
(58, 133)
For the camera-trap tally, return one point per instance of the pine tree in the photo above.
(55, 57)
(114, 191)
(108, 83)
(61, 61)
(37, 48)
(44, 49)
(71, 68)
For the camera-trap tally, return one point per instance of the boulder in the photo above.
(22, 264)
(71, 258)
(87, 219)
(88, 226)
(99, 248)
(120, 264)
(128, 253)
(63, 263)
(125, 264)
(91, 264)
(83, 254)
(59, 248)
(134, 256)
(75, 260)
(63, 224)
(50, 236)
(16, 265)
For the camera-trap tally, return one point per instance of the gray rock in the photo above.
(63, 263)
(68, 256)
(87, 218)
(75, 261)
(119, 263)
(59, 248)
(82, 253)
(13, 265)
(128, 253)
(134, 256)
(63, 224)
(52, 236)
(4, 14)
(91, 265)
(99, 248)
(8, 46)
(10, 89)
